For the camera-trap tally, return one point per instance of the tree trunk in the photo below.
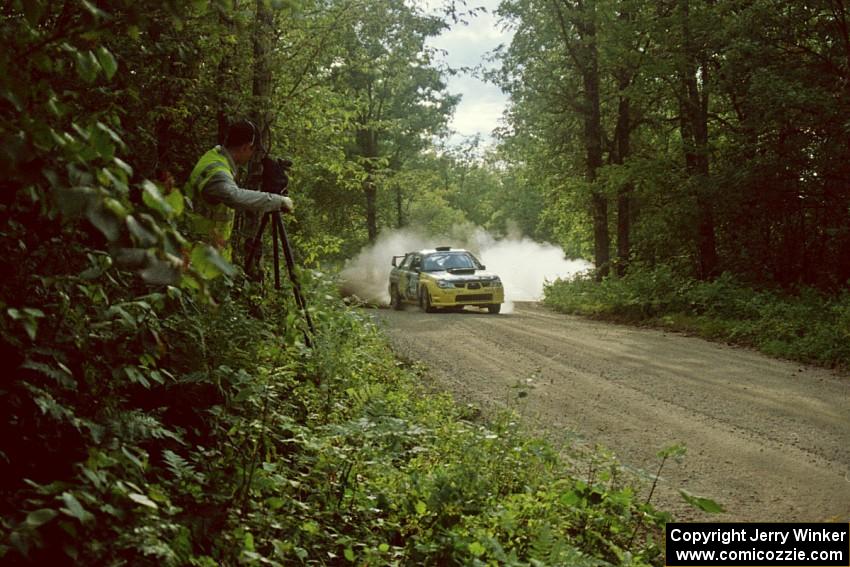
(622, 150)
(224, 80)
(261, 112)
(593, 146)
(694, 130)
(371, 209)
(584, 52)
(368, 142)
(398, 206)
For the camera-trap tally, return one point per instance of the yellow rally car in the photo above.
(444, 277)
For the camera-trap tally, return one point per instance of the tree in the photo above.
(399, 96)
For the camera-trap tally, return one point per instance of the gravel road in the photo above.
(767, 439)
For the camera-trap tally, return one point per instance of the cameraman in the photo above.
(214, 192)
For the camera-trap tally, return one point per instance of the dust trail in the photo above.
(523, 264)
(367, 274)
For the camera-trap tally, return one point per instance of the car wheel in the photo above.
(494, 309)
(395, 299)
(425, 301)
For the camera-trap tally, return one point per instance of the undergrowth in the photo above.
(143, 427)
(807, 326)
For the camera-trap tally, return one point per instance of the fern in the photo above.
(61, 375)
(363, 396)
(136, 426)
(180, 467)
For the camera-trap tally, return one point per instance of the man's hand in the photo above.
(286, 204)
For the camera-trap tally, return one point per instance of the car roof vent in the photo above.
(443, 248)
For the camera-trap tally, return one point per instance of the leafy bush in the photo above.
(808, 326)
(153, 412)
(231, 442)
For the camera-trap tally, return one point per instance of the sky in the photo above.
(481, 105)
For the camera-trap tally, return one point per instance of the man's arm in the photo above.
(222, 189)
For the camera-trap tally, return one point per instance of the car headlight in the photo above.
(496, 282)
(445, 284)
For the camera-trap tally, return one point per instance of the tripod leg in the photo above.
(296, 286)
(255, 245)
(275, 239)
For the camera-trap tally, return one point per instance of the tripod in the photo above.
(279, 236)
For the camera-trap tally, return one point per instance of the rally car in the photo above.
(444, 277)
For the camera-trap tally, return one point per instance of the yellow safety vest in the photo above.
(210, 223)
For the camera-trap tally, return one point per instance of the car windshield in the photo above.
(441, 262)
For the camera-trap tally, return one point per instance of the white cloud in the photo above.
(482, 103)
(478, 117)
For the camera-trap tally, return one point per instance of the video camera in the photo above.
(275, 178)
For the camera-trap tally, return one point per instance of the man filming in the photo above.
(215, 194)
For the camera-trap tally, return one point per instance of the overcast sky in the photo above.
(481, 105)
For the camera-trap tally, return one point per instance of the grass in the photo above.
(807, 326)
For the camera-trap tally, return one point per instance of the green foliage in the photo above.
(807, 326)
(230, 443)
(158, 408)
(722, 135)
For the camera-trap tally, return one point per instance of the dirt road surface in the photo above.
(767, 439)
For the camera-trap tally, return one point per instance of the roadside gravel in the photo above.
(768, 439)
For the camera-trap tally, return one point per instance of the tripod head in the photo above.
(275, 178)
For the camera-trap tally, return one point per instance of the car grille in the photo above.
(475, 297)
(472, 285)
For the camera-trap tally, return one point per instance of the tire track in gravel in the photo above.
(768, 439)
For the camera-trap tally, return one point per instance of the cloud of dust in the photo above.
(522, 264)
(367, 275)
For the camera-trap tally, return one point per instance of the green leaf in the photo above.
(310, 527)
(176, 202)
(704, 504)
(16, 102)
(476, 549)
(675, 451)
(421, 508)
(124, 166)
(102, 143)
(153, 198)
(105, 221)
(74, 508)
(208, 262)
(160, 272)
(112, 134)
(87, 65)
(75, 200)
(141, 235)
(96, 12)
(107, 62)
(40, 517)
(139, 462)
(349, 554)
(136, 377)
(29, 319)
(571, 499)
(115, 206)
(143, 500)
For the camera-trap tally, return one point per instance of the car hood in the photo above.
(463, 276)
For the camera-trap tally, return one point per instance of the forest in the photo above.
(165, 410)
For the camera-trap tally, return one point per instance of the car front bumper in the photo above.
(454, 297)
